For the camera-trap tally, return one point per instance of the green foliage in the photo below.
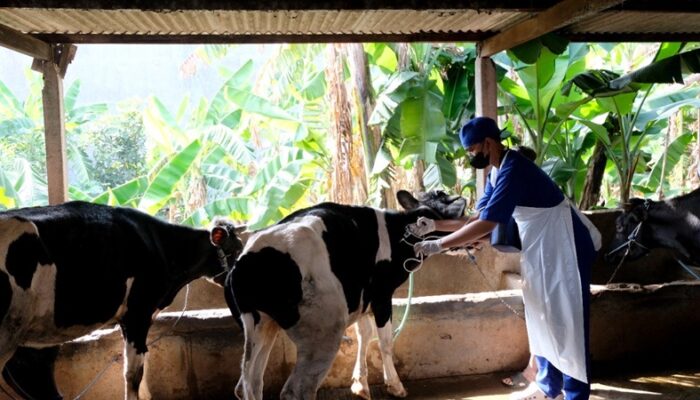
(629, 124)
(116, 148)
(419, 110)
(258, 148)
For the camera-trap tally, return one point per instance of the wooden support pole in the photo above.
(486, 104)
(54, 133)
(558, 16)
(25, 44)
(54, 122)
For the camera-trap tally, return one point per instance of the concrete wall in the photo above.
(445, 335)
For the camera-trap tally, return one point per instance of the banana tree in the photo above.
(532, 89)
(420, 109)
(23, 160)
(241, 154)
(625, 98)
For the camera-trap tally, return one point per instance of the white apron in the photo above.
(552, 286)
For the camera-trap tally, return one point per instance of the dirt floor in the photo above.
(667, 385)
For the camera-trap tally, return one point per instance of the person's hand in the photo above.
(427, 247)
(422, 227)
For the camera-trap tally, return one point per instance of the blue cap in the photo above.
(478, 129)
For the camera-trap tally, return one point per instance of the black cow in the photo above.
(69, 269)
(646, 224)
(315, 273)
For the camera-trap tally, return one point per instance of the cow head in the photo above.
(438, 202)
(632, 231)
(225, 236)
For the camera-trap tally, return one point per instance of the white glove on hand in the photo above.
(427, 247)
(422, 227)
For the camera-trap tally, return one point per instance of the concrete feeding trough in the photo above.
(458, 325)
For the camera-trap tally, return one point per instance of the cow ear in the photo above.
(218, 236)
(407, 200)
(240, 229)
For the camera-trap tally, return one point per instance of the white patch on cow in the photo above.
(123, 307)
(43, 293)
(302, 239)
(384, 250)
(31, 311)
(692, 220)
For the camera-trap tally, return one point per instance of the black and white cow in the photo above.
(69, 269)
(315, 273)
(647, 224)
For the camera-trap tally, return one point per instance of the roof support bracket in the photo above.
(558, 16)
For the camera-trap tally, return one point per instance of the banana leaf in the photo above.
(676, 149)
(234, 208)
(162, 187)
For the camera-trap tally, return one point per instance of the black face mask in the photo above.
(479, 160)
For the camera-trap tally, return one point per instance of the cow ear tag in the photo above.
(218, 235)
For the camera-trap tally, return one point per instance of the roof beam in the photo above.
(562, 14)
(25, 44)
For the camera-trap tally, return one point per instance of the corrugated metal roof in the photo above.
(224, 22)
(127, 21)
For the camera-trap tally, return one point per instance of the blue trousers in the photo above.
(549, 378)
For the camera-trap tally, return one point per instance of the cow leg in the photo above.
(363, 330)
(386, 346)
(30, 372)
(258, 345)
(317, 339)
(135, 331)
(8, 388)
(133, 370)
(314, 359)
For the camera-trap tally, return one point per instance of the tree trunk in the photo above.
(594, 178)
(414, 177)
(344, 189)
(671, 127)
(364, 101)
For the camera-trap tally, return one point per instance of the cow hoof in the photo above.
(397, 390)
(360, 388)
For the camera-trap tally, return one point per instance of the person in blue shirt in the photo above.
(559, 246)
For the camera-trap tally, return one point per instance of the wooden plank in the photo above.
(54, 132)
(24, 43)
(564, 13)
(486, 104)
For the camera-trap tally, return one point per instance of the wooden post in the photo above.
(54, 133)
(486, 105)
(54, 122)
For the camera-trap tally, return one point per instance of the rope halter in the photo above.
(632, 240)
